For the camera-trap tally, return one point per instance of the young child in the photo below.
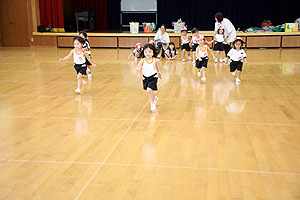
(202, 56)
(87, 48)
(150, 72)
(236, 55)
(80, 56)
(136, 52)
(185, 44)
(171, 52)
(194, 43)
(219, 43)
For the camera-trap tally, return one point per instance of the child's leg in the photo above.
(238, 74)
(188, 55)
(151, 95)
(183, 54)
(204, 71)
(79, 80)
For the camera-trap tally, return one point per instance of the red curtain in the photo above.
(100, 9)
(52, 12)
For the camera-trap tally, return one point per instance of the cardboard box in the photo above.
(291, 27)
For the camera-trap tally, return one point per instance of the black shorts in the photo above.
(202, 63)
(87, 62)
(194, 46)
(186, 47)
(160, 47)
(236, 65)
(219, 46)
(150, 82)
(80, 68)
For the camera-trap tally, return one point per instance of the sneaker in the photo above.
(199, 73)
(155, 100)
(221, 60)
(153, 107)
(183, 60)
(216, 60)
(90, 75)
(194, 62)
(136, 59)
(233, 73)
(77, 91)
(203, 79)
(189, 57)
(237, 81)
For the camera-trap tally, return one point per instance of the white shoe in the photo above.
(216, 60)
(189, 57)
(77, 91)
(221, 60)
(89, 74)
(199, 73)
(203, 79)
(233, 73)
(194, 62)
(136, 59)
(183, 60)
(237, 81)
(153, 107)
(155, 100)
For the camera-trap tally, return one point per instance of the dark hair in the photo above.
(242, 42)
(164, 26)
(150, 46)
(221, 29)
(83, 33)
(195, 30)
(80, 39)
(172, 43)
(219, 16)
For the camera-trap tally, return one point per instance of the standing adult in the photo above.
(162, 40)
(229, 31)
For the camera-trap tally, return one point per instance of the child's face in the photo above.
(148, 53)
(172, 46)
(183, 32)
(81, 35)
(201, 41)
(238, 45)
(221, 31)
(195, 34)
(77, 44)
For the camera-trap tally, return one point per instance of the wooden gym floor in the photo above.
(216, 140)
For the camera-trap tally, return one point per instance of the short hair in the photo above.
(80, 39)
(164, 26)
(221, 29)
(219, 16)
(83, 33)
(195, 30)
(150, 46)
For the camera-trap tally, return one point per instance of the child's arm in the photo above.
(158, 73)
(130, 56)
(197, 54)
(89, 59)
(212, 53)
(67, 57)
(246, 62)
(139, 67)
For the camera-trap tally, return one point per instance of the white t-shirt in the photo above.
(228, 27)
(235, 55)
(185, 40)
(219, 38)
(149, 69)
(79, 58)
(162, 38)
(203, 54)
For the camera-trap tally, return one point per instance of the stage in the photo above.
(128, 40)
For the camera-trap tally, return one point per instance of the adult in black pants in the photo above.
(229, 31)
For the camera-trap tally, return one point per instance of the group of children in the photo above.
(149, 61)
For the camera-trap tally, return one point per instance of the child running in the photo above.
(80, 57)
(150, 73)
(202, 56)
(185, 44)
(194, 43)
(219, 43)
(87, 48)
(236, 55)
